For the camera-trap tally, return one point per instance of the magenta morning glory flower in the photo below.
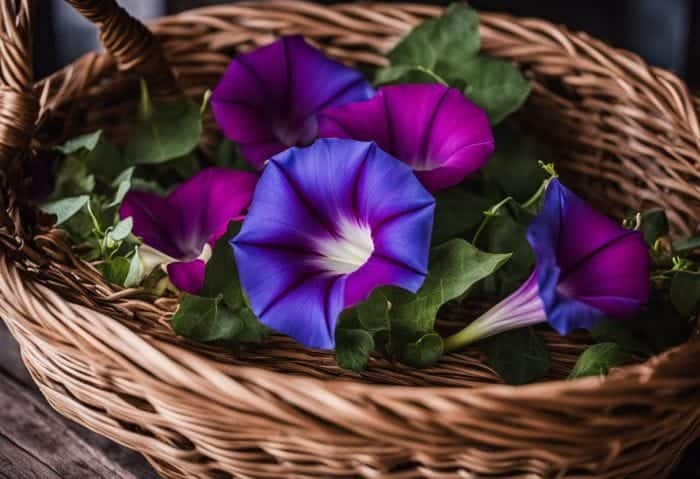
(442, 135)
(180, 230)
(328, 224)
(587, 267)
(268, 99)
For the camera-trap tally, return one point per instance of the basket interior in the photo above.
(590, 131)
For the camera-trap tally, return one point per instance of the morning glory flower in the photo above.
(441, 134)
(587, 267)
(180, 230)
(267, 100)
(327, 225)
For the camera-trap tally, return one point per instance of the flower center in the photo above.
(291, 132)
(423, 164)
(346, 252)
(151, 258)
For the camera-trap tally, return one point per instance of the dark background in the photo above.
(664, 32)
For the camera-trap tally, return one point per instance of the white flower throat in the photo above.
(347, 251)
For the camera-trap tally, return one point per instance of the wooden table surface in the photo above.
(38, 443)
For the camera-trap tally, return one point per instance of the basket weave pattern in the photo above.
(627, 136)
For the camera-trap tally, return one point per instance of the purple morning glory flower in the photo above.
(328, 224)
(268, 99)
(587, 267)
(441, 134)
(180, 230)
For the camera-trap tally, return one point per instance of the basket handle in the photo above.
(132, 45)
(130, 42)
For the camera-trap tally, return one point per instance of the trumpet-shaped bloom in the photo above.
(328, 224)
(587, 267)
(180, 230)
(267, 100)
(441, 134)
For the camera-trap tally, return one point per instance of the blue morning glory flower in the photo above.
(327, 225)
(587, 267)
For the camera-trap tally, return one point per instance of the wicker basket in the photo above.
(627, 134)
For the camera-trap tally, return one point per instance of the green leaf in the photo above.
(221, 274)
(496, 86)
(455, 267)
(94, 153)
(72, 179)
(501, 235)
(166, 131)
(407, 74)
(424, 352)
(208, 319)
(353, 348)
(446, 50)
(519, 356)
(115, 270)
(123, 184)
(66, 208)
(687, 245)
(514, 166)
(392, 74)
(80, 228)
(221, 281)
(456, 211)
(228, 155)
(122, 229)
(685, 292)
(653, 225)
(612, 331)
(135, 275)
(598, 359)
(106, 160)
(373, 313)
(203, 319)
(88, 142)
(454, 37)
(252, 330)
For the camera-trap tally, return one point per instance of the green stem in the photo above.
(487, 217)
(431, 74)
(460, 339)
(95, 222)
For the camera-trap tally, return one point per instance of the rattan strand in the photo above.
(627, 137)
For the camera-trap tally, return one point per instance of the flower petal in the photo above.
(614, 278)
(435, 129)
(317, 82)
(267, 100)
(208, 202)
(316, 304)
(154, 221)
(187, 276)
(401, 239)
(311, 227)
(565, 313)
(379, 271)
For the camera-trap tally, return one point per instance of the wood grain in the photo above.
(36, 442)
